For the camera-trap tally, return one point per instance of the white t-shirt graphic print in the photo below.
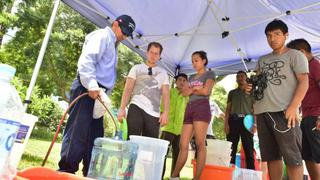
(147, 89)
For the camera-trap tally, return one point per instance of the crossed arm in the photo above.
(198, 90)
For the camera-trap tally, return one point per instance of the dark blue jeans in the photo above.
(80, 132)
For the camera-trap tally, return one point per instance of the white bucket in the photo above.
(218, 152)
(26, 127)
(151, 154)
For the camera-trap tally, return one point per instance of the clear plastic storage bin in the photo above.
(150, 158)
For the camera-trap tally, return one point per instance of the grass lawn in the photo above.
(36, 150)
(35, 153)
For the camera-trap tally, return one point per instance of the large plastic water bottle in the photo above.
(113, 159)
(11, 112)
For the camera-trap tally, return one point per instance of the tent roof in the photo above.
(183, 27)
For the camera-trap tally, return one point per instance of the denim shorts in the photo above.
(197, 110)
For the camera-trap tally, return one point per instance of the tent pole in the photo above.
(232, 39)
(41, 54)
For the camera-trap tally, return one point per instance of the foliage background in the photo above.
(60, 61)
(219, 95)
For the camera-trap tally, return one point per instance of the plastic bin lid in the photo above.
(7, 70)
(149, 140)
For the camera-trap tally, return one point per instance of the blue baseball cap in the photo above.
(127, 25)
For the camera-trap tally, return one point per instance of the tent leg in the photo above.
(41, 54)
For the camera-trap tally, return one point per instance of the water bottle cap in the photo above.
(7, 70)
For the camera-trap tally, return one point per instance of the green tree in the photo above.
(6, 18)
(63, 50)
(59, 64)
(47, 110)
(61, 57)
(126, 59)
(219, 95)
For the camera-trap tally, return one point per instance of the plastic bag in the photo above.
(99, 110)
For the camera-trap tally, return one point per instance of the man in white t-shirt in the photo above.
(146, 84)
(216, 112)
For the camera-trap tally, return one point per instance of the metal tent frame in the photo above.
(230, 31)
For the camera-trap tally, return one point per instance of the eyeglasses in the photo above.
(150, 71)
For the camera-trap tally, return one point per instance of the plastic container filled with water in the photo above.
(11, 112)
(113, 159)
(151, 154)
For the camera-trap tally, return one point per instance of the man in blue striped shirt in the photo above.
(96, 71)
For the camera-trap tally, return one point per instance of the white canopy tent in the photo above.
(230, 31)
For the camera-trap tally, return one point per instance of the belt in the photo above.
(240, 115)
(101, 86)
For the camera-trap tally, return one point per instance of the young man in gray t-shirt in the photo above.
(145, 86)
(277, 112)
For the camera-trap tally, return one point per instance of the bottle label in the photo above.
(8, 134)
(22, 134)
